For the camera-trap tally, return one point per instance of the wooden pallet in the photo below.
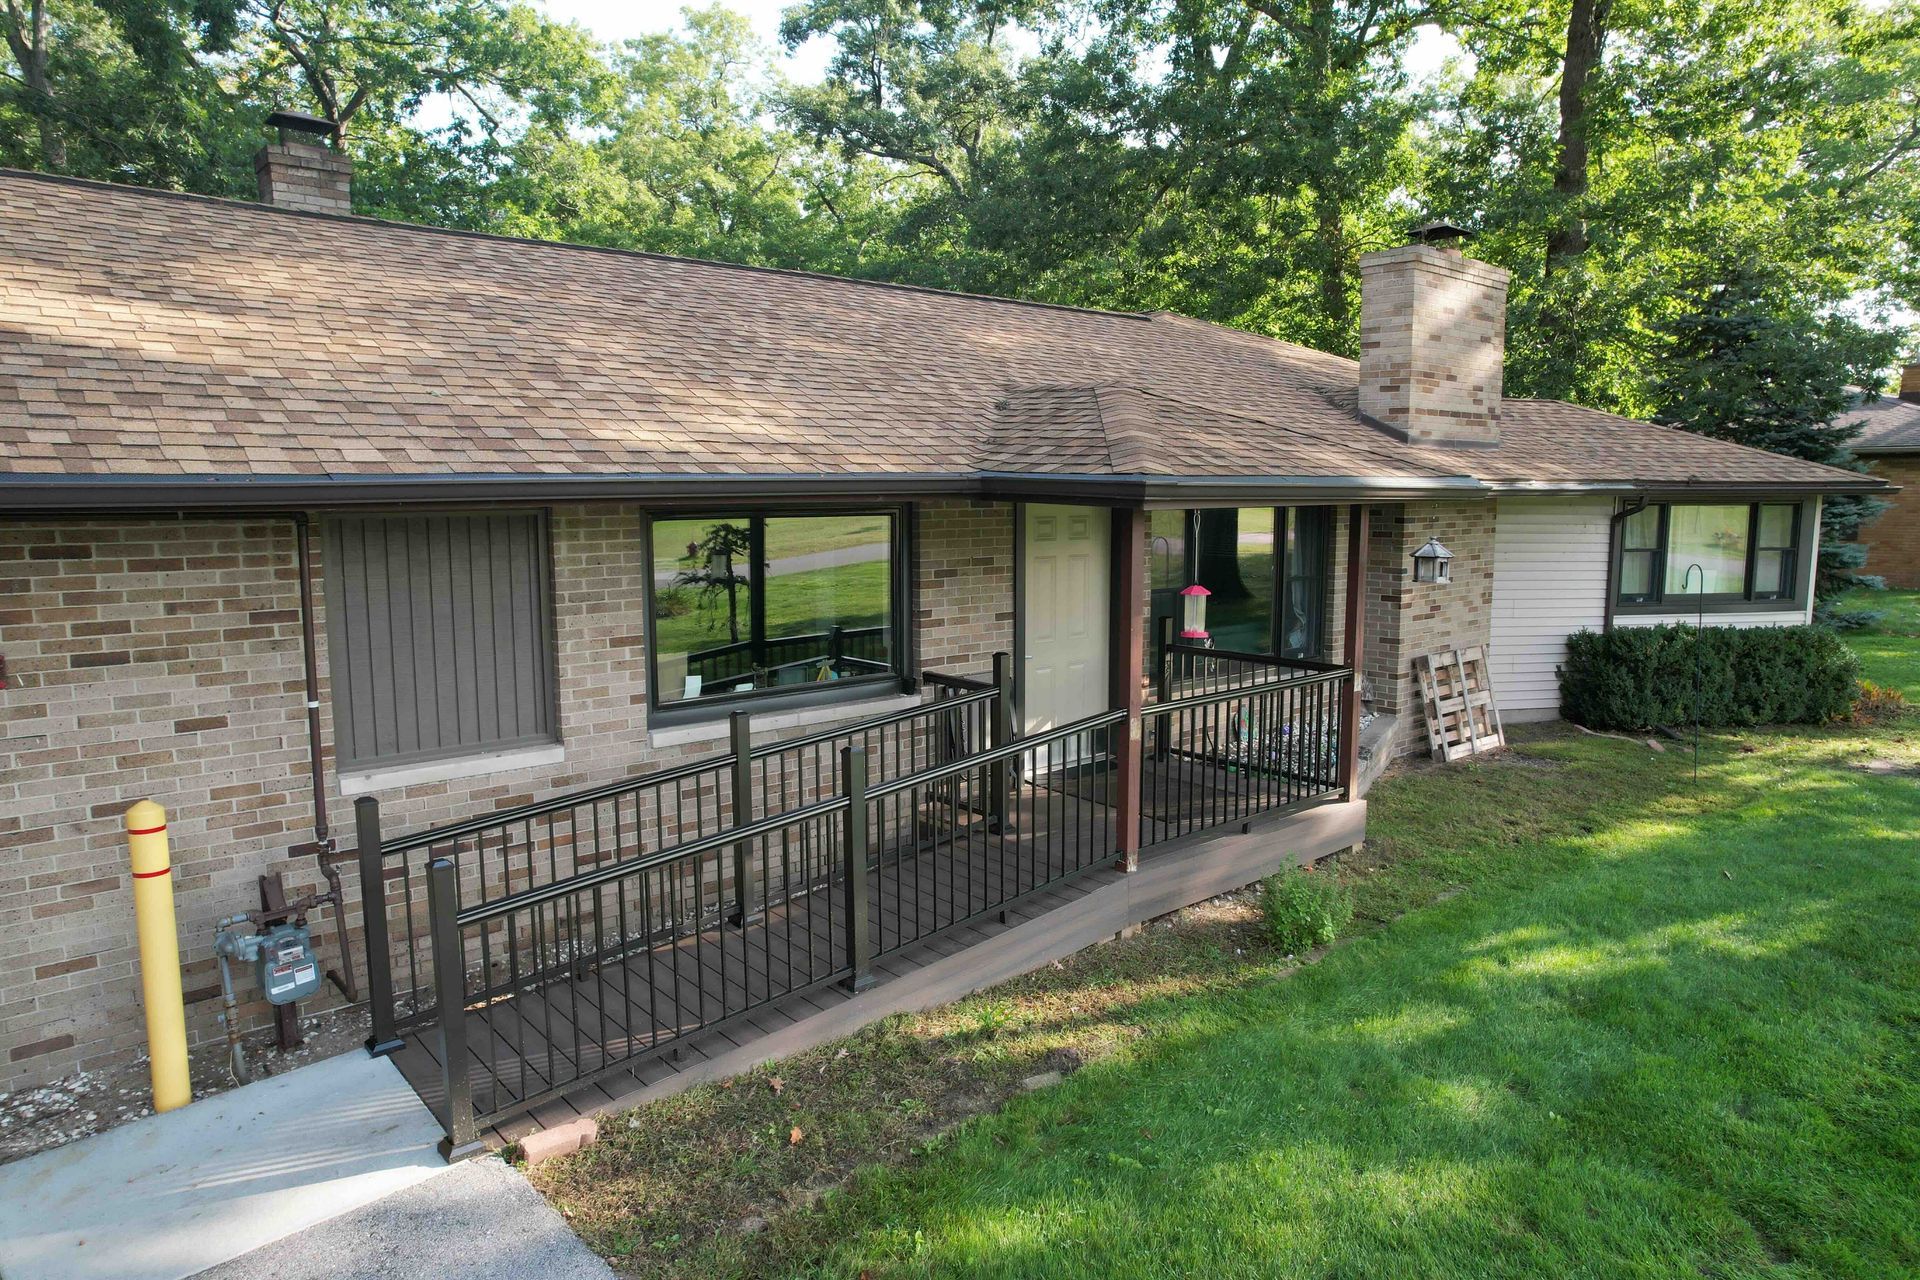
(1457, 692)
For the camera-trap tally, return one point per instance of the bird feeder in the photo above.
(1433, 563)
(1193, 604)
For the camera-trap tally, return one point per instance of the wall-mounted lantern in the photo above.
(1433, 563)
(1193, 604)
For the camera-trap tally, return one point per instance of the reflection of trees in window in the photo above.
(776, 601)
(1266, 568)
(716, 557)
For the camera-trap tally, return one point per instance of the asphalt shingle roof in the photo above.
(1888, 424)
(154, 335)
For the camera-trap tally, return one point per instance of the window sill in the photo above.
(368, 781)
(779, 721)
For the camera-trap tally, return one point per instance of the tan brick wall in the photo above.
(161, 659)
(1893, 540)
(295, 175)
(1433, 327)
(965, 584)
(1406, 619)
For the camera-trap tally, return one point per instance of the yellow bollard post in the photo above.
(159, 954)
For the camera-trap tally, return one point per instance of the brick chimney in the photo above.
(1910, 384)
(300, 171)
(1433, 340)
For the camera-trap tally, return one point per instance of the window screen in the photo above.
(440, 635)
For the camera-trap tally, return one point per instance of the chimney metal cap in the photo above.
(1440, 232)
(300, 122)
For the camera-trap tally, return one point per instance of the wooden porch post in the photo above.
(1354, 649)
(1127, 662)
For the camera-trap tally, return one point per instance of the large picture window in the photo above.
(1266, 568)
(751, 603)
(1719, 554)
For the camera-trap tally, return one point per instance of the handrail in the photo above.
(606, 790)
(941, 680)
(994, 755)
(540, 808)
(1242, 691)
(877, 722)
(1263, 659)
(647, 862)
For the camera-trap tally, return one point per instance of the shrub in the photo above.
(1305, 909)
(1640, 677)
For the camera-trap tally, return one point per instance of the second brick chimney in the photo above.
(300, 171)
(1910, 383)
(1433, 343)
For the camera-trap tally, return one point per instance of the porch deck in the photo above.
(654, 1010)
(1047, 924)
(651, 1013)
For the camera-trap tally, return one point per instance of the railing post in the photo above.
(740, 734)
(853, 784)
(1000, 734)
(450, 985)
(383, 1037)
(1162, 682)
(1354, 650)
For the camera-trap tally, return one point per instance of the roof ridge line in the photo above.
(254, 206)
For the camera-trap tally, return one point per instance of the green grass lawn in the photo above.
(1886, 649)
(1595, 1020)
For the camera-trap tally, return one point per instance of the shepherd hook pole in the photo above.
(159, 954)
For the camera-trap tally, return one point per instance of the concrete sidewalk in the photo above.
(480, 1219)
(170, 1196)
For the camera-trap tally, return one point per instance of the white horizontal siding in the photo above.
(1549, 580)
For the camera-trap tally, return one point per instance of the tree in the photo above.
(1612, 158)
(1742, 368)
(116, 89)
(376, 67)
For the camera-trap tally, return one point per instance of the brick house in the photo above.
(1889, 443)
(298, 507)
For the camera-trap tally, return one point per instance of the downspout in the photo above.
(322, 838)
(1632, 507)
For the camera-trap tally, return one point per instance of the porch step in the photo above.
(1379, 743)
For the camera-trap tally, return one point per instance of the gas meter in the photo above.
(282, 958)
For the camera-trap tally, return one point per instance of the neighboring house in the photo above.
(563, 509)
(1889, 443)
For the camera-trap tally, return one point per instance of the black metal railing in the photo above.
(1186, 669)
(965, 839)
(551, 841)
(1226, 755)
(542, 990)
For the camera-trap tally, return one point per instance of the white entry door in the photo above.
(1065, 620)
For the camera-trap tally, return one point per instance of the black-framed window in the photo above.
(763, 603)
(1720, 554)
(1267, 569)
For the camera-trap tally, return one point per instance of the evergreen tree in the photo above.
(1742, 366)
